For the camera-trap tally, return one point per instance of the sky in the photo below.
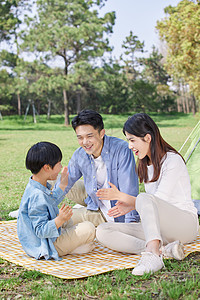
(138, 16)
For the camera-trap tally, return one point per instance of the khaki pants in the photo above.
(78, 194)
(159, 220)
(74, 236)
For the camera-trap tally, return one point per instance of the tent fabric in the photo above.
(192, 158)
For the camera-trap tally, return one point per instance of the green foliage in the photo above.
(154, 68)
(8, 19)
(180, 30)
(72, 34)
(71, 30)
(5, 82)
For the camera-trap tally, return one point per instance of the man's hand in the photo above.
(120, 209)
(64, 178)
(109, 194)
(65, 213)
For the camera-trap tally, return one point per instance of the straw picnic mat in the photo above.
(100, 260)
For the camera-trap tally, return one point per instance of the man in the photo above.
(100, 159)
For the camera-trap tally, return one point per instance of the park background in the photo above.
(56, 58)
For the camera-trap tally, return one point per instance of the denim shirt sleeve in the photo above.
(57, 194)
(43, 226)
(74, 173)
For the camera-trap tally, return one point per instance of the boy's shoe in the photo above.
(149, 263)
(173, 250)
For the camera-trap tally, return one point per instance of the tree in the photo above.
(181, 32)
(155, 73)
(154, 69)
(70, 30)
(111, 88)
(131, 46)
(10, 21)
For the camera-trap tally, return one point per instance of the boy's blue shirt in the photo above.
(120, 163)
(36, 226)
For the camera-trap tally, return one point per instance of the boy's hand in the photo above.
(65, 213)
(64, 178)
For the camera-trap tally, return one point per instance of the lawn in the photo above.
(180, 280)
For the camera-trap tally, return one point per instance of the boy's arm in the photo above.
(74, 174)
(45, 216)
(64, 179)
(43, 225)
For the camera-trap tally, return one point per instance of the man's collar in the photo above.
(105, 149)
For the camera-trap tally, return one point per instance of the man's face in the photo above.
(90, 139)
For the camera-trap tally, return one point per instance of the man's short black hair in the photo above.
(41, 154)
(88, 117)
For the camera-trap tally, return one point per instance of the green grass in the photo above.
(180, 280)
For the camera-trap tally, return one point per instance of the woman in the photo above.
(167, 213)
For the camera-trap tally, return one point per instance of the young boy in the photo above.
(44, 231)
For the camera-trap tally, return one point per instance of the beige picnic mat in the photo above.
(100, 260)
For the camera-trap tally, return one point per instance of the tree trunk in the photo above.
(38, 107)
(34, 116)
(178, 99)
(183, 100)
(78, 102)
(66, 113)
(49, 109)
(178, 104)
(194, 106)
(186, 100)
(19, 104)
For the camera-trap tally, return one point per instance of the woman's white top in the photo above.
(173, 184)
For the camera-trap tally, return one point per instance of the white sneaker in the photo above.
(173, 250)
(149, 262)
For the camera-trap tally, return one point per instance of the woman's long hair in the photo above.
(139, 125)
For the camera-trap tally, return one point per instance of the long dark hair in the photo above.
(139, 125)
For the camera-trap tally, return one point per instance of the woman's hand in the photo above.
(64, 178)
(65, 213)
(120, 209)
(109, 194)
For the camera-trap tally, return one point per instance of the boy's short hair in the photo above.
(88, 117)
(41, 154)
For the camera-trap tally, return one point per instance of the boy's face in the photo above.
(53, 174)
(90, 139)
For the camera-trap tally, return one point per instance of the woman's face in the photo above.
(140, 146)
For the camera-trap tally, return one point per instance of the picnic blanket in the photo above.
(100, 260)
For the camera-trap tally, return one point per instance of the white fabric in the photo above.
(14, 214)
(160, 220)
(173, 184)
(101, 176)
